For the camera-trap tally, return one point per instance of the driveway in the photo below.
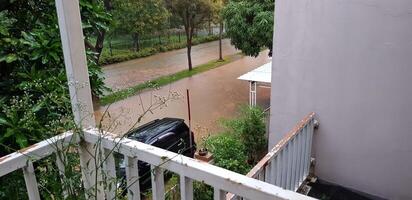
(214, 94)
(130, 73)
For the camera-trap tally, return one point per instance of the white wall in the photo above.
(350, 61)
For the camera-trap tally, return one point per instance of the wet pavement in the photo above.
(130, 73)
(214, 95)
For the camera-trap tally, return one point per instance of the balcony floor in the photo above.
(324, 190)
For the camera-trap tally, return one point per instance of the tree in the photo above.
(192, 13)
(249, 25)
(95, 20)
(140, 17)
(34, 95)
(218, 18)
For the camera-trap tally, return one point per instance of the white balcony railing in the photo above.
(220, 179)
(287, 164)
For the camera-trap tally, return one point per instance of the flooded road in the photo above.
(214, 94)
(130, 73)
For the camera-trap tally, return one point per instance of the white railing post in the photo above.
(307, 149)
(71, 33)
(311, 127)
(60, 161)
(299, 163)
(268, 171)
(132, 176)
(31, 182)
(218, 194)
(294, 159)
(158, 185)
(279, 166)
(110, 174)
(303, 161)
(186, 188)
(91, 173)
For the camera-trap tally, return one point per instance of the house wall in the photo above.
(350, 61)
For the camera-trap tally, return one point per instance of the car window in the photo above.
(165, 140)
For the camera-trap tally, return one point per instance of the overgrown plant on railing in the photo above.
(230, 150)
(250, 128)
(69, 184)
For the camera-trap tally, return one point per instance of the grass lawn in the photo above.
(164, 80)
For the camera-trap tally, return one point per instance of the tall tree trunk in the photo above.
(110, 47)
(189, 49)
(136, 46)
(220, 40)
(189, 34)
(99, 44)
(189, 56)
(98, 47)
(210, 26)
(189, 30)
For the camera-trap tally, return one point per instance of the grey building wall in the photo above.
(350, 61)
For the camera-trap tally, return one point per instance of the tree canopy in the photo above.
(249, 24)
(34, 96)
(140, 17)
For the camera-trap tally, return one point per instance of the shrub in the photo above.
(229, 152)
(202, 191)
(250, 128)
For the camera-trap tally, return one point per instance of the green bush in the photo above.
(229, 152)
(202, 191)
(250, 128)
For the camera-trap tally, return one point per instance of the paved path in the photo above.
(215, 94)
(126, 74)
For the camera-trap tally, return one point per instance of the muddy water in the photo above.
(214, 94)
(126, 74)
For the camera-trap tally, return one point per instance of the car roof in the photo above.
(154, 128)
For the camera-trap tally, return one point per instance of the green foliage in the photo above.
(139, 17)
(33, 81)
(249, 24)
(143, 16)
(229, 152)
(249, 127)
(163, 80)
(202, 191)
(34, 96)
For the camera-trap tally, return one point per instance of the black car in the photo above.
(168, 133)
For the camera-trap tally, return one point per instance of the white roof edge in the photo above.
(261, 74)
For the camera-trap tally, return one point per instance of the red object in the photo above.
(190, 119)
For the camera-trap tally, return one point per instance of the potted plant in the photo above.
(203, 153)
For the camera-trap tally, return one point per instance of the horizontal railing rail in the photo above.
(188, 169)
(287, 164)
(24, 158)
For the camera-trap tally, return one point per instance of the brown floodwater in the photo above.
(214, 95)
(126, 74)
